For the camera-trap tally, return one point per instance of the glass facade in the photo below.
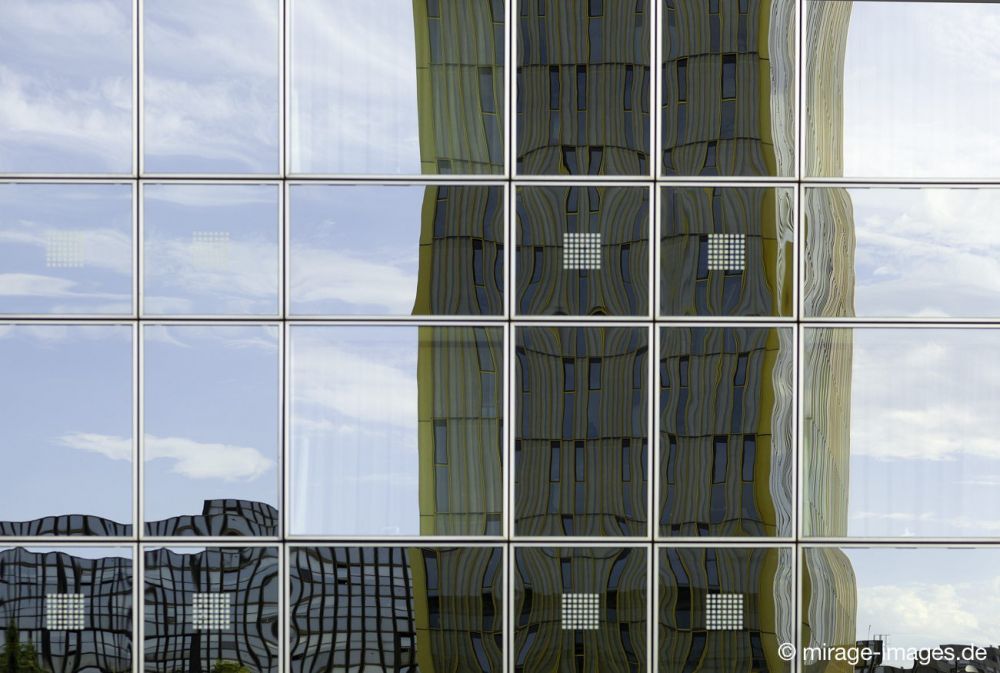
(499, 336)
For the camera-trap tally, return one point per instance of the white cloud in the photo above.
(344, 276)
(191, 459)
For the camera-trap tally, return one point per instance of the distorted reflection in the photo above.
(583, 89)
(583, 250)
(900, 432)
(728, 100)
(917, 101)
(927, 253)
(416, 87)
(581, 437)
(396, 250)
(397, 609)
(396, 430)
(609, 634)
(725, 609)
(726, 251)
(211, 609)
(726, 446)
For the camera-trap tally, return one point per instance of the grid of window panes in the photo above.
(498, 335)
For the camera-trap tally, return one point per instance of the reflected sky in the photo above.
(65, 390)
(65, 249)
(927, 597)
(210, 86)
(210, 249)
(66, 86)
(210, 416)
(354, 249)
(920, 100)
(353, 87)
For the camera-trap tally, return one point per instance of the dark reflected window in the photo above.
(392, 608)
(736, 381)
(600, 419)
(203, 606)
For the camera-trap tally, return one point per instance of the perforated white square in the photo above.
(581, 612)
(724, 612)
(210, 249)
(64, 612)
(581, 250)
(210, 612)
(727, 252)
(64, 249)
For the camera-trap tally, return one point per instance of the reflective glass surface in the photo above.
(66, 429)
(67, 609)
(899, 432)
(415, 87)
(930, 609)
(583, 89)
(725, 609)
(396, 430)
(397, 609)
(211, 609)
(210, 249)
(210, 86)
(580, 609)
(396, 250)
(581, 434)
(66, 86)
(726, 450)
(728, 93)
(211, 443)
(583, 250)
(927, 253)
(727, 251)
(66, 249)
(916, 101)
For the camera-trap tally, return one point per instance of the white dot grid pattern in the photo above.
(727, 252)
(211, 612)
(581, 250)
(64, 249)
(210, 249)
(581, 612)
(724, 612)
(64, 612)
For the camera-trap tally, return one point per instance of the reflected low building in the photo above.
(221, 518)
(396, 609)
(69, 613)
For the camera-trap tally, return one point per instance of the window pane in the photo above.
(396, 250)
(580, 609)
(726, 251)
(210, 249)
(583, 251)
(211, 429)
(66, 86)
(211, 609)
(415, 87)
(66, 249)
(726, 410)
(67, 609)
(725, 609)
(583, 89)
(66, 428)
(439, 608)
(900, 432)
(728, 101)
(210, 86)
(868, 112)
(363, 405)
(596, 426)
(901, 252)
(903, 603)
